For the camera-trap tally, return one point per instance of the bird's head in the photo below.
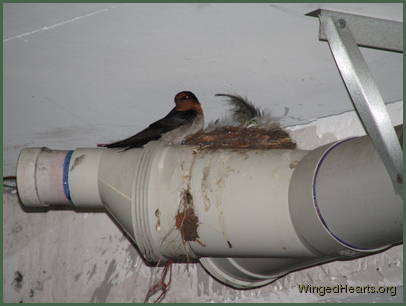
(186, 100)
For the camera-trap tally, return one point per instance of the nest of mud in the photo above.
(230, 137)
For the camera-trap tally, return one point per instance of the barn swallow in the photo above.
(184, 119)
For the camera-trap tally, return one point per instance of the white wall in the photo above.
(80, 74)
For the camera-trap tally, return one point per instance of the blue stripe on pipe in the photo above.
(66, 174)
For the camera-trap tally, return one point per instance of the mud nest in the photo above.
(186, 220)
(187, 223)
(242, 138)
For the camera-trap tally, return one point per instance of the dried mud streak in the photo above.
(205, 187)
(242, 138)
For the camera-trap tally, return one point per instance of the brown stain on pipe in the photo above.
(186, 221)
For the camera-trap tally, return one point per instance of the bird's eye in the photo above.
(185, 97)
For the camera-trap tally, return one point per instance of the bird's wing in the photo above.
(155, 130)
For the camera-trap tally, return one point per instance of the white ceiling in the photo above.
(81, 74)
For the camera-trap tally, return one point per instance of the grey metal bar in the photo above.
(367, 31)
(365, 95)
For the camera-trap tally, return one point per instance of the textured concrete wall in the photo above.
(80, 74)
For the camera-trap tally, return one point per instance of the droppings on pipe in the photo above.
(294, 164)
(77, 161)
(186, 220)
(158, 222)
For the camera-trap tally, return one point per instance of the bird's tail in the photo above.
(128, 143)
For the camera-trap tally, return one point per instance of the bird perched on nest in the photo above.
(244, 114)
(184, 119)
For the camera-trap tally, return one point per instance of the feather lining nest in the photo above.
(246, 127)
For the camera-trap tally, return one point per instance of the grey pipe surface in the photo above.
(341, 199)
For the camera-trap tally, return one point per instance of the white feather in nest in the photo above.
(243, 114)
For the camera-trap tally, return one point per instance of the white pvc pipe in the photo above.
(250, 216)
(341, 196)
(40, 177)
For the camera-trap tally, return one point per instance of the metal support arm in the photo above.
(336, 28)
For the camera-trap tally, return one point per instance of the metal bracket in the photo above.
(367, 31)
(344, 32)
